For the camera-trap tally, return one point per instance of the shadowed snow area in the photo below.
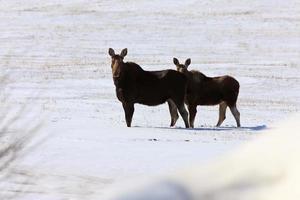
(55, 54)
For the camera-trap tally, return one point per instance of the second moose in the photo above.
(203, 90)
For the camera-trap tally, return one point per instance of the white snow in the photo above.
(259, 170)
(55, 56)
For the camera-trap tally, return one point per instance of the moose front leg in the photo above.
(129, 110)
(120, 94)
(193, 111)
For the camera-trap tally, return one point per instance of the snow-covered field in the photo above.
(55, 56)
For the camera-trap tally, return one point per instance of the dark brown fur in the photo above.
(135, 85)
(203, 90)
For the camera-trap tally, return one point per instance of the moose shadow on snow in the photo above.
(225, 128)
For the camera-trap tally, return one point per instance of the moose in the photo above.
(203, 90)
(135, 85)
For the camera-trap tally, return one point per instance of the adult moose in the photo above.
(203, 90)
(135, 85)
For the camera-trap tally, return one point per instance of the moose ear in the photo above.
(111, 52)
(123, 52)
(175, 61)
(187, 62)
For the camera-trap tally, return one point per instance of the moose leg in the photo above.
(236, 114)
(222, 113)
(184, 114)
(173, 112)
(129, 110)
(192, 111)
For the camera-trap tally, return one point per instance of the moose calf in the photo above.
(203, 90)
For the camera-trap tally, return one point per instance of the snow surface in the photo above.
(55, 55)
(259, 170)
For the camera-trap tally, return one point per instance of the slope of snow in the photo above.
(259, 170)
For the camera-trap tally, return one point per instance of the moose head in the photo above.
(180, 67)
(117, 61)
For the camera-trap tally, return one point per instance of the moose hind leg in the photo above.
(184, 114)
(236, 115)
(193, 112)
(222, 113)
(173, 112)
(129, 110)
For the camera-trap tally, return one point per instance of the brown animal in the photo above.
(203, 90)
(135, 85)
